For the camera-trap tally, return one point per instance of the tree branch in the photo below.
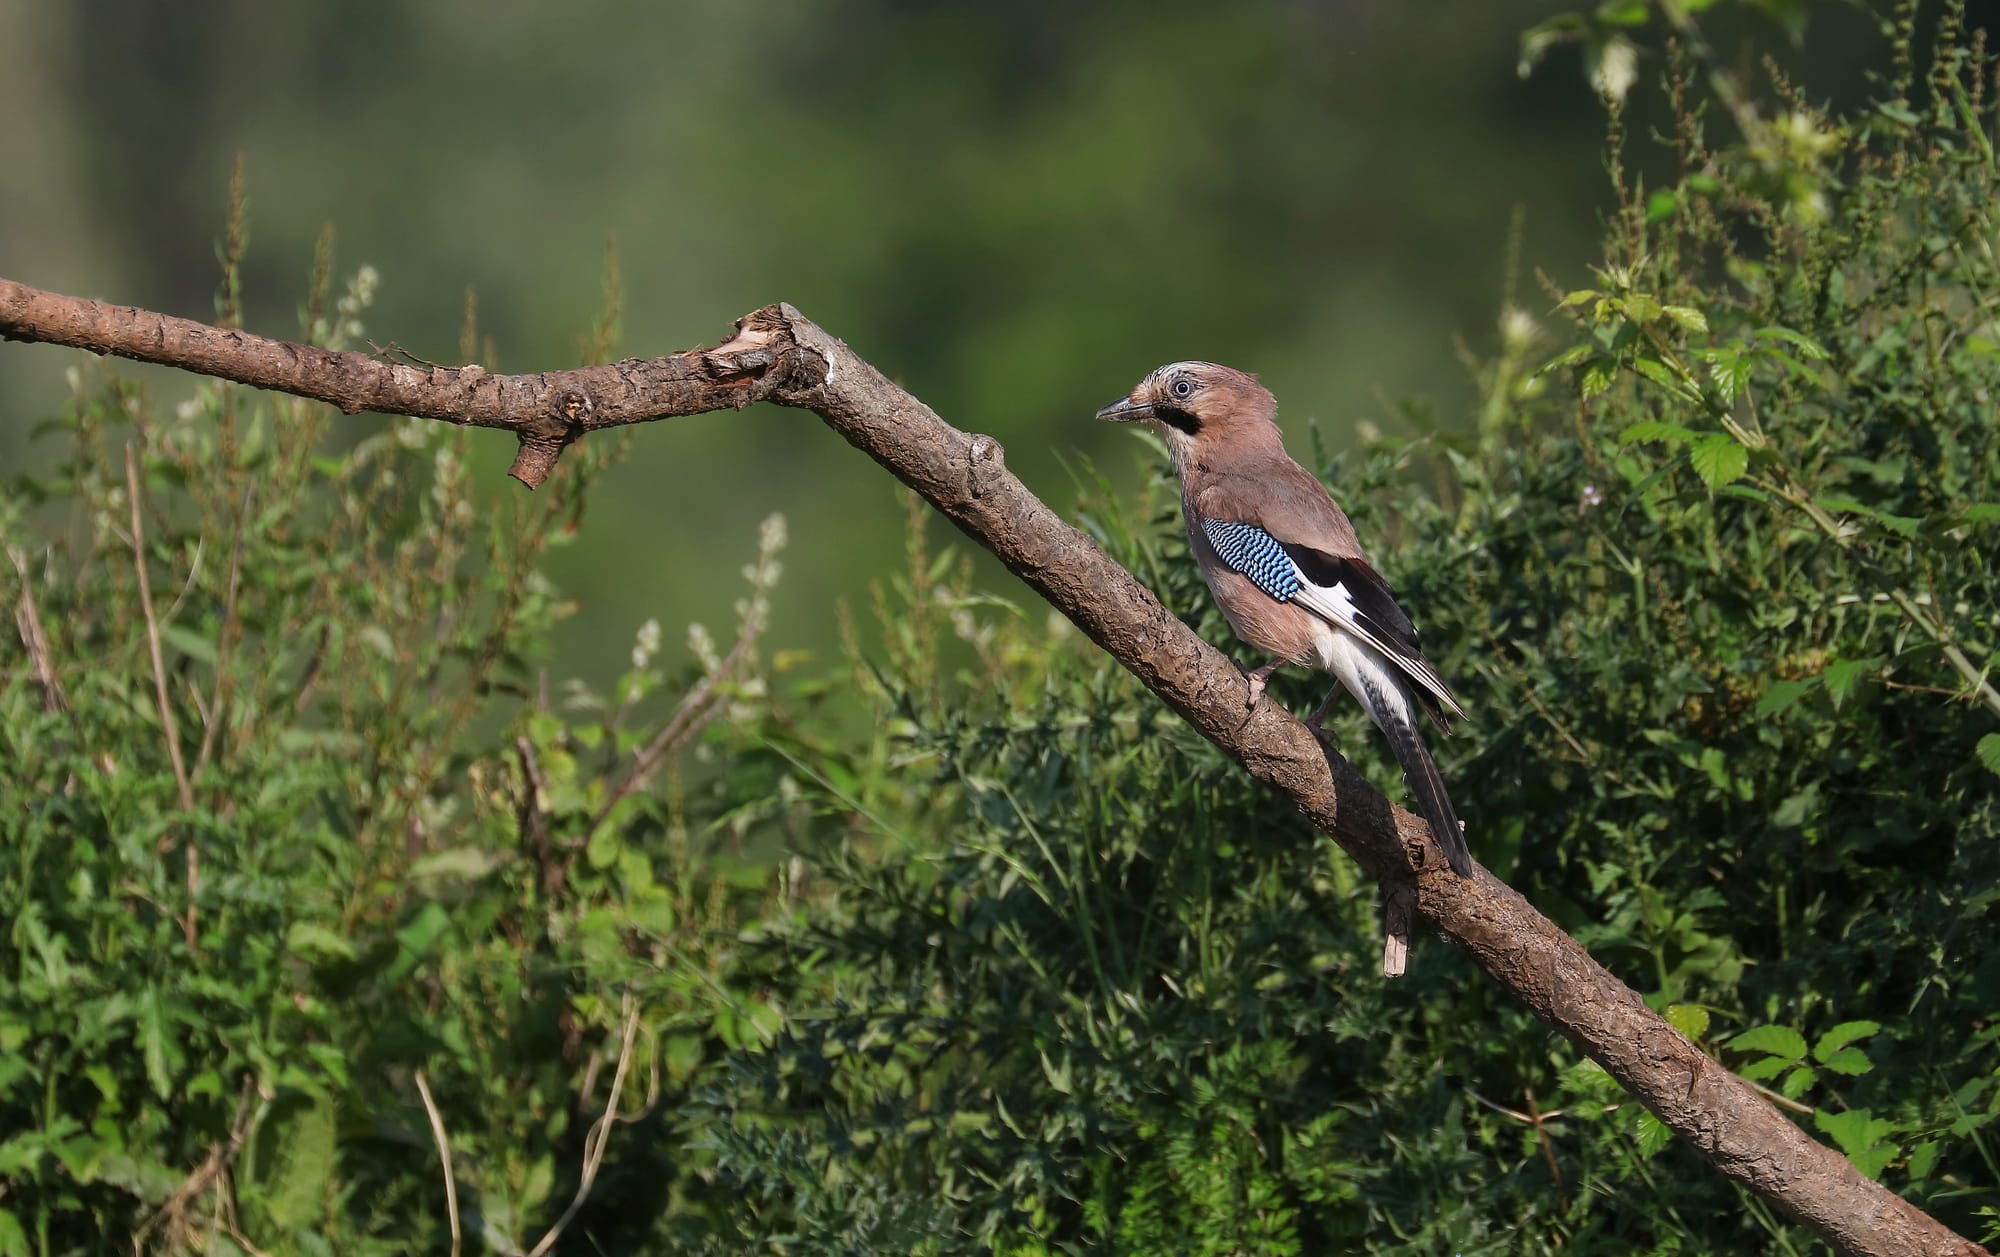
(779, 355)
(545, 412)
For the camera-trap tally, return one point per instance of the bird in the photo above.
(1284, 564)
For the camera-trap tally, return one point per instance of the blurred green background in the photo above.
(1013, 209)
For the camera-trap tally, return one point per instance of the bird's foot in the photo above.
(1257, 677)
(1317, 721)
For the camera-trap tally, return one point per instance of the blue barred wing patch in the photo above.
(1255, 553)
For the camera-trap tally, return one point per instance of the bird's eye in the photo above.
(1183, 388)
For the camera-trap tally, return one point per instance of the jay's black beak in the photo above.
(1125, 410)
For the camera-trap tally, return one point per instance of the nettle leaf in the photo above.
(1806, 345)
(1664, 376)
(1596, 377)
(1718, 460)
(1640, 307)
(1859, 1134)
(1651, 1134)
(1764, 1069)
(1843, 675)
(1567, 358)
(1730, 372)
(1798, 1082)
(1690, 1019)
(1850, 1061)
(1843, 1034)
(1989, 752)
(1688, 317)
(1782, 1041)
(294, 1158)
(1782, 694)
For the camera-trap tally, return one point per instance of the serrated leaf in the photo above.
(1687, 316)
(1764, 1068)
(1690, 1019)
(1875, 1159)
(1805, 344)
(1797, 808)
(1856, 1132)
(1782, 694)
(1718, 460)
(1843, 675)
(1780, 1041)
(1567, 358)
(1729, 374)
(13, 1239)
(1843, 1034)
(1849, 1060)
(1798, 1082)
(1989, 752)
(1659, 373)
(1596, 377)
(295, 1154)
(1650, 1134)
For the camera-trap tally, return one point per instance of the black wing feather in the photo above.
(1376, 609)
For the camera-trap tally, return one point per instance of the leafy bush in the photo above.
(338, 926)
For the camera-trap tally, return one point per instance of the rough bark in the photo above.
(779, 355)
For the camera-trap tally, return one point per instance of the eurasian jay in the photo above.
(1283, 562)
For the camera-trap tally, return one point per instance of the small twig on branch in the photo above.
(1397, 909)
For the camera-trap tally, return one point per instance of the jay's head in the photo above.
(1201, 407)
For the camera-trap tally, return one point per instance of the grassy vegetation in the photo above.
(959, 943)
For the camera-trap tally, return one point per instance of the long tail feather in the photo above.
(1420, 771)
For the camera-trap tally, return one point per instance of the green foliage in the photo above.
(961, 943)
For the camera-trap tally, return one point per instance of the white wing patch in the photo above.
(1336, 606)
